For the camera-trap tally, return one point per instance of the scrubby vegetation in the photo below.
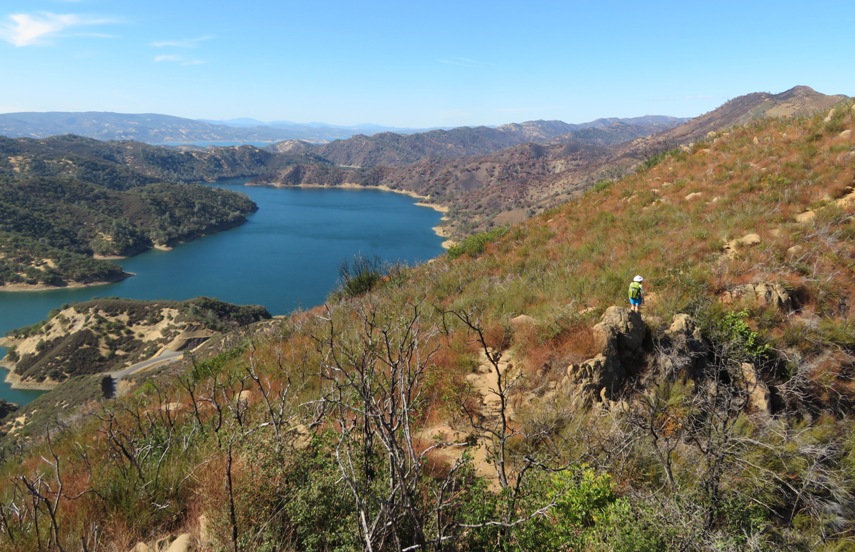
(501, 402)
(475, 244)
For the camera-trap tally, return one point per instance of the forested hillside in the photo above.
(503, 397)
(68, 200)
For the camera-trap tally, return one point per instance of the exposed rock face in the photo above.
(596, 377)
(769, 293)
(621, 334)
(682, 348)
(680, 352)
(759, 397)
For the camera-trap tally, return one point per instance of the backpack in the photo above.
(635, 290)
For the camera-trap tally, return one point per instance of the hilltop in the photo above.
(503, 395)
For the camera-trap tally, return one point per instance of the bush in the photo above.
(359, 276)
(474, 245)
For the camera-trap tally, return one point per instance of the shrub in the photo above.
(358, 276)
(474, 245)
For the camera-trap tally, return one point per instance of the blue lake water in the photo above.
(287, 256)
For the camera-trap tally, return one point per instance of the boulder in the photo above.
(181, 544)
(684, 327)
(749, 239)
(759, 398)
(770, 293)
(522, 320)
(621, 331)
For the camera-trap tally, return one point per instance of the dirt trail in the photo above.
(484, 381)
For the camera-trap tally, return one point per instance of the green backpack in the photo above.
(635, 290)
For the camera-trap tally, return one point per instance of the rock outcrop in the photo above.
(620, 334)
(681, 349)
(770, 293)
(759, 397)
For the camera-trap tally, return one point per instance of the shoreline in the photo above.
(18, 288)
(15, 382)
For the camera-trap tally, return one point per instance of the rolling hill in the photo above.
(511, 184)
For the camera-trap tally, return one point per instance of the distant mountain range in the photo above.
(152, 128)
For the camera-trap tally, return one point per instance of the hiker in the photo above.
(636, 294)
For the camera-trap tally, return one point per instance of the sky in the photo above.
(419, 64)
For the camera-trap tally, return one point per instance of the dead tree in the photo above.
(374, 365)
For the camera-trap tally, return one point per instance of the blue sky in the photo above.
(416, 64)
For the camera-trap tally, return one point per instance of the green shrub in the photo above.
(583, 499)
(474, 245)
(358, 276)
(744, 343)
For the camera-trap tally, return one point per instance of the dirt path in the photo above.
(484, 382)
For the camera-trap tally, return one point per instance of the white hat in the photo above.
(637, 279)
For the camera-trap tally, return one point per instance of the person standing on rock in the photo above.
(636, 294)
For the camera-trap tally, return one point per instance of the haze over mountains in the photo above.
(153, 128)
(166, 129)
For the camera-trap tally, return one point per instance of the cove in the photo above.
(285, 257)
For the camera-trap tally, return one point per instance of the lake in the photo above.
(286, 257)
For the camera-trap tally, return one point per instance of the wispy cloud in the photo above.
(29, 29)
(184, 43)
(457, 61)
(180, 60)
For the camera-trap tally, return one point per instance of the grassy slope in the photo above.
(669, 222)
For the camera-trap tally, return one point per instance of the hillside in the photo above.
(503, 397)
(393, 150)
(68, 200)
(122, 165)
(483, 189)
(798, 101)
